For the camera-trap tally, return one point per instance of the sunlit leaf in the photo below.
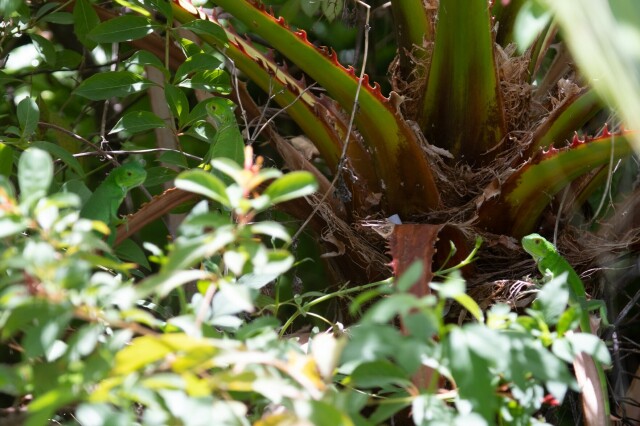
(201, 26)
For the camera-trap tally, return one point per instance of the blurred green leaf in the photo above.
(28, 116)
(7, 7)
(272, 229)
(553, 298)
(35, 173)
(122, 28)
(331, 9)
(531, 20)
(591, 345)
(379, 373)
(292, 185)
(6, 160)
(410, 276)
(310, 7)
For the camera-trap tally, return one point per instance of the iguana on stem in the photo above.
(551, 263)
(228, 141)
(103, 204)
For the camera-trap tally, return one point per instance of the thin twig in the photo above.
(280, 111)
(137, 151)
(98, 150)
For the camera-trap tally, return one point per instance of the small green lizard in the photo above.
(228, 141)
(103, 204)
(550, 262)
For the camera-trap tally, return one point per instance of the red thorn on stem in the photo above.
(576, 140)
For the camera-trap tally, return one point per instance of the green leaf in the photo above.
(102, 415)
(84, 341)
(331, 9)
(143, 58)
(85, 19)
(112, 84)
(178, 102)
(215, 81)
(390, 307)
(292, 185)
(6, 78)
(68, 58)
(138, 121)
(42, 408)
(39, 339)
(277, 262)
(466, 82)
(454, 288)
(203, 183)
(141, 352)
(256, 281)
(201, 26)
(197, 62)
(272, 229)
(122, 28)
(231, 299)
(6, 160)
(553, 298)
(35, 173)
(471, 372)
(130, 251)
(28, 116)
(410, 276)
(310, 7)
(160, 175)
(44, 48)
(7, 7)
(45, 9)
(427, 407)
(62, 154)
(531, 20)
(320, 413)
(591, 345)
(379, 374)
(189, 252)
(163, 283)
(63, 18)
